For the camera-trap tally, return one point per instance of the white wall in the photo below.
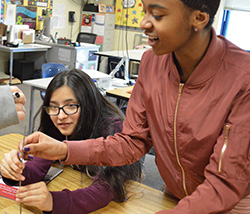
(70, 5)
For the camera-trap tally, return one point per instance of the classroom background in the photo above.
(69, 17)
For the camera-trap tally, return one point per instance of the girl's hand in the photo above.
(19, 102)
(12, 167)
(43, 146)
(36, 195)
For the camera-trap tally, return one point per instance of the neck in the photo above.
(186, 60)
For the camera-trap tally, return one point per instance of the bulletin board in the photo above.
(26, 16)
(2, 9)
(129, 13)
(28, 11)
(38, 3)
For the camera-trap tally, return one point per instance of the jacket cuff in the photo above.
(74, 151)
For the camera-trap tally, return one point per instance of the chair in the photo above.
(51, 69)
(86, 37)
(48, 70)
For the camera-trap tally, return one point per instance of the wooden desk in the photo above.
(144, 200)
(120, 94)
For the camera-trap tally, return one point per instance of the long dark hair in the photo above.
(96, 110)
(96, 119)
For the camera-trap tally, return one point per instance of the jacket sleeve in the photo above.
(33, 172)
(7, 105)
(85, 200)
(228, 174)
(121, 149)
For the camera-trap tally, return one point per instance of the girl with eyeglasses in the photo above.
(74, 109)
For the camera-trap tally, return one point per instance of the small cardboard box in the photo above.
(28, 36)
(3, 29)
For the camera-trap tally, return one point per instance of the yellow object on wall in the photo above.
(38, 5)
(129, 13)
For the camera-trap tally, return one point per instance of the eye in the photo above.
(157, 17)
(53, 107)
(71, 105)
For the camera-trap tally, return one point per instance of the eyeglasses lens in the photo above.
(67, 109)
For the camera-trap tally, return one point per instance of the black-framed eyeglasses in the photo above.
(67, 109)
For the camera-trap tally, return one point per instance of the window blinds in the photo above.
(238, 5)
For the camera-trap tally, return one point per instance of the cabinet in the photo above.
(101, 24)
(82, 57)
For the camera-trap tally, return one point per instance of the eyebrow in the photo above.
(68, 100)
(157, 6)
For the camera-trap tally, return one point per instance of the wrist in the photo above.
(64, 151)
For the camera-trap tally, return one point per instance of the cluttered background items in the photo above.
(18, 35)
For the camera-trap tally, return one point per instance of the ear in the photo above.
(200, 19)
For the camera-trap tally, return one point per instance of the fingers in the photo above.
(35, 195)
(12, 167)
(33, 138)
(43, 146)
(34, 145)
(20, 111)
(21, 99)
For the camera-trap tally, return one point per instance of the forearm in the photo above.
(115, 150)
(85, 200)
(33, 172)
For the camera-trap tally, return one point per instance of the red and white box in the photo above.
(8, 191)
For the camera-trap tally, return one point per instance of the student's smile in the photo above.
(167, 24)
(153, 41)
(63, 122)
(64, 125)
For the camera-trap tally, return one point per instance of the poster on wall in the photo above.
(49, 6)
(14, 2)
(2, 9)
(38, 3)
(26, 16)
(129, 13)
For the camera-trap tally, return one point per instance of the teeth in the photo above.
(153, 38)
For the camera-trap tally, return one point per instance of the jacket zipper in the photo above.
(175, 139)
(224, 147)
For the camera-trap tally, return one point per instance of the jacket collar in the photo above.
(208, 66)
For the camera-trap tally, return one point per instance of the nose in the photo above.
(146, 23)
(61, 114)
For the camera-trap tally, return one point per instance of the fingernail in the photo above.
(30, 157)
(26, 149)
(18, 154)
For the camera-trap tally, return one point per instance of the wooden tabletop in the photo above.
(143, 199)
(122, 93)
